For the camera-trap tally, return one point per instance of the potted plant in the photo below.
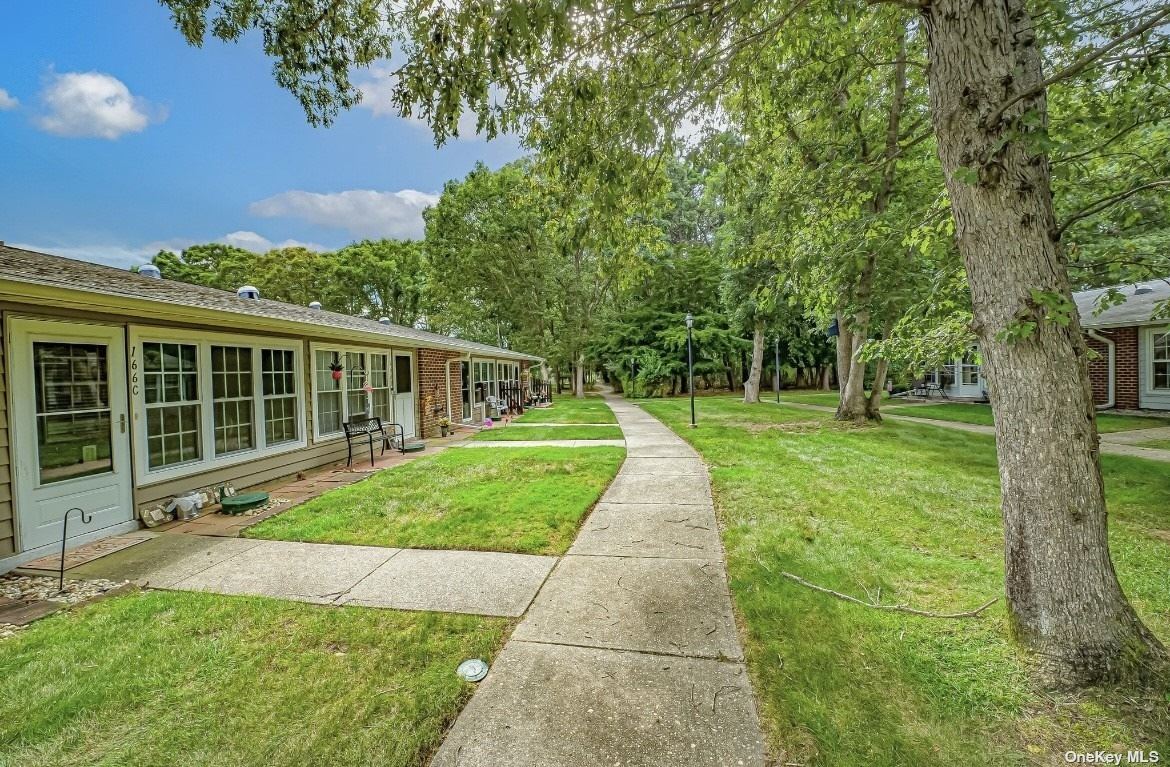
(444, 426)
(336, 367)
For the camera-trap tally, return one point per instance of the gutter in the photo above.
(1109, 400)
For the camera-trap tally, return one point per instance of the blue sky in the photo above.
(116, 139)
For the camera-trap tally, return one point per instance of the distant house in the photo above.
(1132, 367)
(123, 390)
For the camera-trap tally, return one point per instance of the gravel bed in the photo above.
(33, 587)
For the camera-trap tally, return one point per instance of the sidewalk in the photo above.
(1115, 443)
(629, 654)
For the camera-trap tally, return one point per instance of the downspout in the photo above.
(1112, 361)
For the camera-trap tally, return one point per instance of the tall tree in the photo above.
(587, 80)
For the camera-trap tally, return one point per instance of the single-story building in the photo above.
(1131, 368)
(123, 390)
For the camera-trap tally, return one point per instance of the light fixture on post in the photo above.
(691, 366)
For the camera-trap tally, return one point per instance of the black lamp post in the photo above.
(777, 370)
(691, 366)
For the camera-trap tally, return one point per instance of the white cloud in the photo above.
(258, 243)
(378, 94)
(124, 256)
(361, 212)
(94, 105)
(7, 101)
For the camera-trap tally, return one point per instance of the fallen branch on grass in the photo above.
(891, 608)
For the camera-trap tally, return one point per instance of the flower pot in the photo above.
(336, 375)
(443, 430)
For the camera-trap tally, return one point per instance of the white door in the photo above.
(968, 377)
(404, 392)
(71, 448)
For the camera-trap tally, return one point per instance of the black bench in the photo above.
(365, 426)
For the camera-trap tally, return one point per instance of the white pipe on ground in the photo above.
(1109, 399)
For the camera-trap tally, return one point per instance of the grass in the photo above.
(524, 500)
(806, 397)
(568, 409)
(498, 434)
(1157, 444)
(978, 413)
(912, 510)
(154, 678)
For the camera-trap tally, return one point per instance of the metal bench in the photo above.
(369, 427)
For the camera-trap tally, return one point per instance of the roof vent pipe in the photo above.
(248, 291)
(315, 305)
(1141, 291)
(150, 270)
(384, 320)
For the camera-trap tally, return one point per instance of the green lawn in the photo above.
(805, 397)
(1157, 444)
(568, 409)
(500, 433)
(979, 413)
(525, 500)
(912, 510)
(159, 678)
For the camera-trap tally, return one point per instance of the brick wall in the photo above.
(1099, 370)
(433, 394)
(1125, 373)
(1126, 369)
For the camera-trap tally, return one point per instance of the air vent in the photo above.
(384, 320)
(315, 305)
(248, 291)
(1142, 291)
(150, 270)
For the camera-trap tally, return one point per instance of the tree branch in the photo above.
(1107, 202)
(889, 608)
(1076, 67)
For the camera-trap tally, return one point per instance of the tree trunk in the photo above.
(874, 404)
(854, 406)
(827, 381)
(844, 353)
(751, 384)
(579, 378)
(1064, 600)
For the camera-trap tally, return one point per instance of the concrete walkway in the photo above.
(629, 654)
(543, 443)
(1115, 443)
(482, 583)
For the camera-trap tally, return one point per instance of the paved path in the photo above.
(629, 654)
(1115, 443)
(483, 583)
(543, 443)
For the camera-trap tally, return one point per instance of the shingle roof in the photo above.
(30, 267)
(1142, 299)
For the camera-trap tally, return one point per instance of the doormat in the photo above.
(87, 553)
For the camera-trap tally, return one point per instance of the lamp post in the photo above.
(691, 366)
(777, 345)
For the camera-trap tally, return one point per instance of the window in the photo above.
(379, 380)
(233, 399)
(485, 384)
(403, 380)
(969, 370)
(329, 391)
(364, 387)
(72, 410)
(356, 395)
(1160, 357)
(171, 392)
(278, 372)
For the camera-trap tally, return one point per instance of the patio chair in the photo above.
(365, 426)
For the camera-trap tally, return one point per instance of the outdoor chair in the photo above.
(370, 427)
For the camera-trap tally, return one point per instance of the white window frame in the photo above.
(1147, 342)
(343, 349)
(203, 341)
